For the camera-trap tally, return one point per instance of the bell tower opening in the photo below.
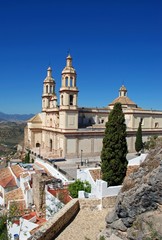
(71, 97)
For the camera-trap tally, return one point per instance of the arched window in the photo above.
(37, 144)
(46, 88)
(66, 81)
(71, 82)
(71, 99)
(51, 89)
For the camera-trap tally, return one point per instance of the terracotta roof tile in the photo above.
(4, 173)
(20, 205)
(61, 194)
(44, 168)
(14, 195)
(124, 100)
(17, 170)
(8, 182)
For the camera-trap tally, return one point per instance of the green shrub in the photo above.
(79, 185)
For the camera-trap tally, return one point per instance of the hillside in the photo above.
(11, 134)
(138, 210)
(15, 117)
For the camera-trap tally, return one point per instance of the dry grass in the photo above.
(127, 184)
(151, 164)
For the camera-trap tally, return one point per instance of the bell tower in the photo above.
(68, 97)
(48, 90)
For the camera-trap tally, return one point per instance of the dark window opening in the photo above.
(71, 99)
(66, 81)
(37, 144)
(62, 100)
(50, 145)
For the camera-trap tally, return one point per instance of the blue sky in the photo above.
(112, 42)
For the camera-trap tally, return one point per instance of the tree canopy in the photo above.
(114, 150)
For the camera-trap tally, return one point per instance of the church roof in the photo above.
(124, 100)
(35, 119)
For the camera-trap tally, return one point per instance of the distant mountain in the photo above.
(15, 117)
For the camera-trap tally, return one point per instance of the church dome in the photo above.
(125, 101)
(49, 77)
(122, 88)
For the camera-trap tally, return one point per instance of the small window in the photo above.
(37, 144)
(62, 100)
(156, 125)
(50, 145)
(50, 122)
(71, 99)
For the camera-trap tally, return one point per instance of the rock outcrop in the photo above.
(138, 211)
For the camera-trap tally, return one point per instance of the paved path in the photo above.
(86, 226)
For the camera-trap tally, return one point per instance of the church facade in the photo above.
(66, 130)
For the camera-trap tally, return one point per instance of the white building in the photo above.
(65, 130)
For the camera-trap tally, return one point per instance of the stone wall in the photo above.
(90, 203)
(51, 229)
(106, 202)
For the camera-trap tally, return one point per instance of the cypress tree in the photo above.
(138, 142)
(114, 150)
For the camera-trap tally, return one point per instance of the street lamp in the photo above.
(81, 163)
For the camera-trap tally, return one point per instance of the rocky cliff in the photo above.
(138, 211)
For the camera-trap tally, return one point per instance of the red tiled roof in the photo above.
(61, 194)
(39, 220)
(6, 178)
(4, 173)
(17, 170)
(29, 216)
(8, 182)
(44, 168)
(16, 194)
(20, 206)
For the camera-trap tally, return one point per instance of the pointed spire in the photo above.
(69, 61)
(49, 72)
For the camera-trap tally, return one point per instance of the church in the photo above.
(65, 130)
